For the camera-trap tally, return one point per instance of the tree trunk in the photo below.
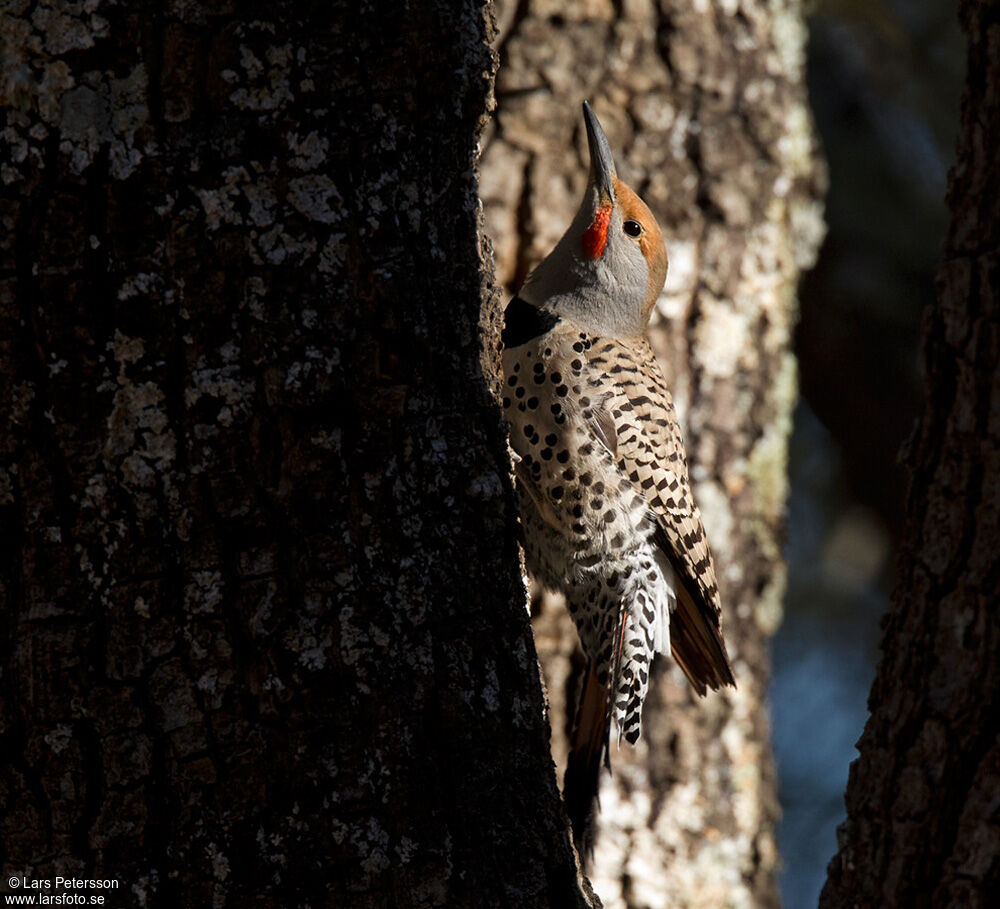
(922, 799)
(266, 640)
(705, 110)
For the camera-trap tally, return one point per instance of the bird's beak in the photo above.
(602, 165)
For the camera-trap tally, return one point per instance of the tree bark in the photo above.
(922, 803)
(705, 109)
(265, 640)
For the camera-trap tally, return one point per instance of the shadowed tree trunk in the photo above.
(922, 800)
(265, 640)
(704, 107)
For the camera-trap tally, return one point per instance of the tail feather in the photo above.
(588, 744)
(695, 635)
(697, 645)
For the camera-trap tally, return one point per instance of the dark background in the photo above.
(884, 83)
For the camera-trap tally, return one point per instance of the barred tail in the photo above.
(636, 639)
(587, 745)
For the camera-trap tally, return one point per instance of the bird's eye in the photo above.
(632, 228)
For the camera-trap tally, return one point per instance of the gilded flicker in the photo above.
(602, 477)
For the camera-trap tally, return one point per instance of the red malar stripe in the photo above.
(595, 237)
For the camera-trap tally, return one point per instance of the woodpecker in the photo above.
(606, 506)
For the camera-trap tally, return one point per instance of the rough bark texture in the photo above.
(705, 109)
(923, 800)
(265, 640)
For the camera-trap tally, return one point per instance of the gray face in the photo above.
(606, 294)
